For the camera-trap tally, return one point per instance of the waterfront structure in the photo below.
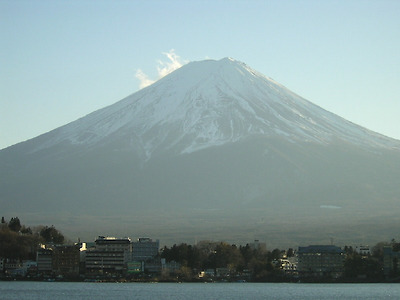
(145, 249)
(320, 261)
(391, 261)
(17, 268)
(66, 260)
(135, 267)
(44, 260)
(110, 255)
(289, 265)
(13, 267)
(363, 250)
(29, 267)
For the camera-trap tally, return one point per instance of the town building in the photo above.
(391, 260)
(29, 267)
(109, 256)
(208, 273)
(44, 260)
(16, 268)
(13, 267)
(11, 264)
(145, 249)
(2, 260)
(363, 250)
(66, 260)
(320, 261)
(135, 267)
(289, 265)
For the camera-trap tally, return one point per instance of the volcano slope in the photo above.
(215, 150)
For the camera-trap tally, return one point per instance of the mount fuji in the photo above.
(214, 150)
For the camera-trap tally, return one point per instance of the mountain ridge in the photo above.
(208, 91)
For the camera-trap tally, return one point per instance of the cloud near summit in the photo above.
(163, 68)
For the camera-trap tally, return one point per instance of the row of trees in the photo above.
(20, 242)
(238, 259)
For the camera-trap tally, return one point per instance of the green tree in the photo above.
(185, 273)
(290, 252)
(275, 254)
(26, 230)
(377, 250)
(357, 265)
(14, 224)
(17, 246)
(52, 235)
(226, 255)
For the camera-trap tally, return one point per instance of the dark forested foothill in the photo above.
(20, 242)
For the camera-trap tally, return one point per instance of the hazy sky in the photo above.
(60, 60)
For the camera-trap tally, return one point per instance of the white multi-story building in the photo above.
(110, 255)
(363, 250)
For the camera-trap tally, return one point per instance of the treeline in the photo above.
(18, 241)
(257, 261)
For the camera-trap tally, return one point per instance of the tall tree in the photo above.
(52, 235)
(14, 224)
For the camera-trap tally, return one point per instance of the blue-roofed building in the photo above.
(320, 261)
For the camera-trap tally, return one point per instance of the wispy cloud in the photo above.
(143, 78)
(330, 206)
(175, 62)
(164, 68)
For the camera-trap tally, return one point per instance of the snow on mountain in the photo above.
(211, 103)
(272, 165)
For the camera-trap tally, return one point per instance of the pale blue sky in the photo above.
(60, 60)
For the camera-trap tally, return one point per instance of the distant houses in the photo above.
(111, 258)
(106, 257)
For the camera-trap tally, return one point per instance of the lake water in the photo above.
(81, 290)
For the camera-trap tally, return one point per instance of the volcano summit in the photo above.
(214, 150)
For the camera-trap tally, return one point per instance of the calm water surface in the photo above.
(72, 290)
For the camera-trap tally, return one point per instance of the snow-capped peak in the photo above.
(211, 103)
